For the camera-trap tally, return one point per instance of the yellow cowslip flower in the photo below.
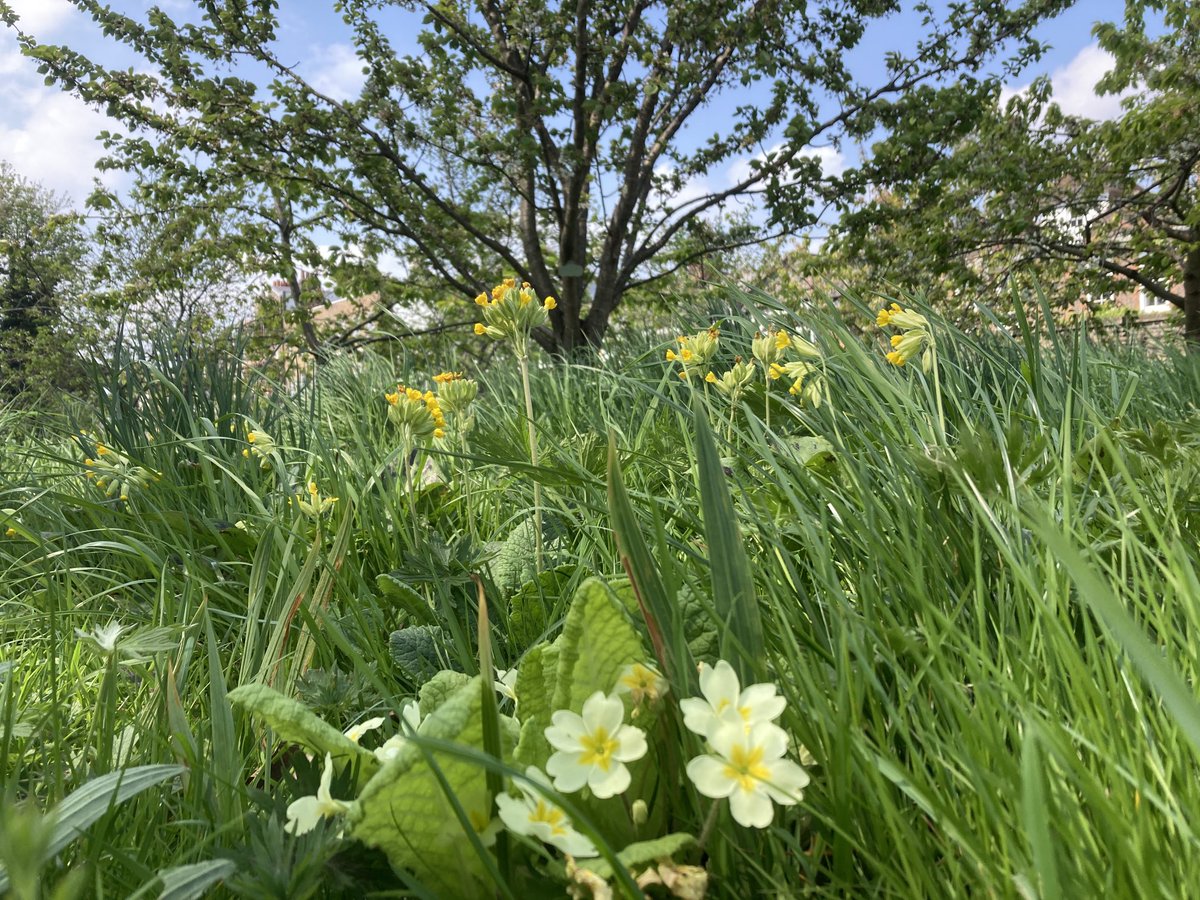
(696, 351)
(455, 393)
(443, 377)
(768, 348)
(808, 381)
(261, 446)
(314, 506)
(418, 414)
(734, 382)
(916, 336)
(512, 313)
(116, 474)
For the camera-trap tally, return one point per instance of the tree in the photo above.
(1094, 207)
(562, 142)
(41, 251)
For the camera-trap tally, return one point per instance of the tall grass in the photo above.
(979, 597)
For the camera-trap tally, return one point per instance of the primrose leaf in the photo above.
(405, 812)
(294, 722)
(598, 641)
(643, 852)
(416, 650)
(439, 688)
(534, 689)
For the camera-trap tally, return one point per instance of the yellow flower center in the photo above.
(598, 748)
(746, 767)
(551, 815)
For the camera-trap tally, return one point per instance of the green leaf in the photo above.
(699, 624)
(405, 812)
(644, 852)
(529, 608)
(813, 452)
(79, 811)
(598, 641)
(294, 722)
(395, 589)
(194, 880)
(437, 689)
(535, 687)
(417, 650)
(739, 619)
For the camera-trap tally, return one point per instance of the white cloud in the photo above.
(49, 137)
(338, 71)
(40, 17)
(1075, 86)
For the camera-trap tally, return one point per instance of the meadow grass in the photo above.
(978, 595)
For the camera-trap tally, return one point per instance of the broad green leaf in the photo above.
(598, 641)
(529, 608)
(733, 584)
(292, 721)
(417, 650)
(395, 589)
(194, 880)
(814, 451)
(405, 812)
(437, 689)
(643, 853)
(699, 624)
(535, 688)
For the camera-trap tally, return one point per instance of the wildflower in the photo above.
(512, 312)
(419, 415)
(355, 732)
(768, 348)
(916, 336)
(262, 445)
(695, 351)
(410, 715)
(724, 700)
(303, 814)
(592, 748)
(734, 382)
(104, 636)
(506, 683)
(748, 766)
(808, 381)
(641, 682)
(534, 816)
(455, 393)
(315, 505)
(116, 474)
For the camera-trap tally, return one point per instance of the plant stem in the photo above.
(523, 358)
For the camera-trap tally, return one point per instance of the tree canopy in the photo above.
(1095, 207)
(566, 143)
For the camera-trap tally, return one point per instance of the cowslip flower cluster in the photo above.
(313, 505)
(262, 445)
(734, 382)
(747, 761)
(915, 336)
(696, 351)
(805, 373)
(418, 414)
(769, 348)
(116, 474)
(510, 313)
(455, 393)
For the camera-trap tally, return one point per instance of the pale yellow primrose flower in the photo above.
(641, 682)
(724, 700)
(355, 732)
(304, 814)
(592, 748)
(748, 767)
(410, 714)
(534, 816)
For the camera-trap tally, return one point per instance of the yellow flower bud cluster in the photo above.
(313, 504)
(696, 351)
(769, 348)
(511, 312)
(116, 474)
(734, 382)
(262, 445)
(455, 393)
(914, 338)
(418, 414)
(808, 380)
(806, 373)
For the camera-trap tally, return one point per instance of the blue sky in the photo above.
(50, 137)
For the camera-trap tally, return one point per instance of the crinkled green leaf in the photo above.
(417, 650)
(529, 607)
(699, 624)
(815, 452)
(437, 689)
(402, 594)
(535, 689)
(598, 641)
(294, 722)
(404, 812)
(516, 563)
(643, 853)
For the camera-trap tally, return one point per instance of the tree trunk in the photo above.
(1191, 299)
